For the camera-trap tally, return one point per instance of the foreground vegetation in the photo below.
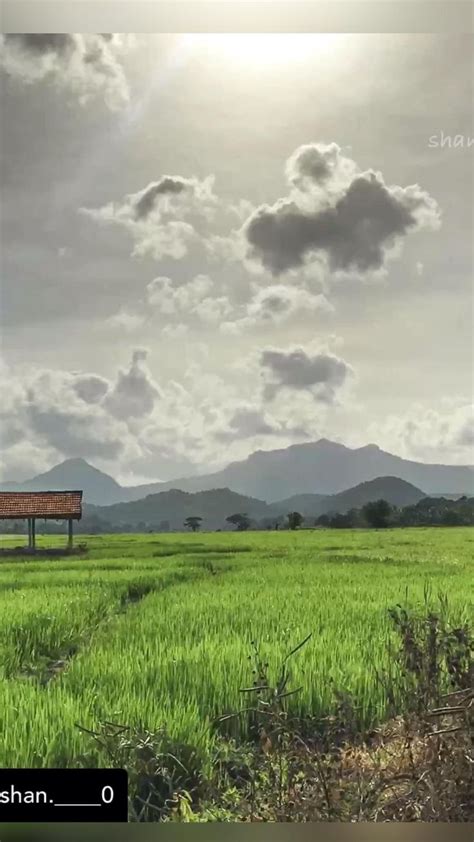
(143, 651)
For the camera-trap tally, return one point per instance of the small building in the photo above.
(43, 505)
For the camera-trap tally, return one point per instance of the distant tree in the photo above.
(451, 518)
(193, 523)
(377, 513)
(295, 519)
(338, 520)
(93, 525)
(241, 521)
(322, 520)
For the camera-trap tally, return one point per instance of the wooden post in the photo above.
(33, 533)
(29, 533)
(69, 540)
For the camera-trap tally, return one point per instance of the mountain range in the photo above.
(317, 468)
(173, 507)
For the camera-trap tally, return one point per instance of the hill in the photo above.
(396, 491)
(174, 506)
(169, 509)
(97, 486)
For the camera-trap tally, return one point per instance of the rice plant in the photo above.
(156, 631)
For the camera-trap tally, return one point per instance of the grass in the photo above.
(156, 630)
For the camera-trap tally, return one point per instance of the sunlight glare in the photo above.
(267, 48)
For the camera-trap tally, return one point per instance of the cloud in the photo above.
(175, 331)
(248, 422)
(125, 320)
(350, 218)
(155, 197)
(195, 301)
(275, 304)
(319, 164)
(191, 299)
(90, 387)
(442, 434)
(60, 414)
(213, 310)
(42, 44)
(198, 302)
(86, 65)
(56, 408)
(464, 435)
(166, 297)
(321, 373)
(134, 393)
(128, 424)
(164, 217)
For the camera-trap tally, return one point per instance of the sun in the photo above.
(264, 49)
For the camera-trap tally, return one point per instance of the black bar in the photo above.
(63, 795)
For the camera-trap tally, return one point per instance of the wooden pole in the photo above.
(33, 533)
(29, 533)
(69, 540)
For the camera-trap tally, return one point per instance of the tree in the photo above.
(339, 520)
(242, 522)
(193, 523)
(295, 519)
(377, 513)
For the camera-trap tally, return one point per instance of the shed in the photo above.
(45, 505)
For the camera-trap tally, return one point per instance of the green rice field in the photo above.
(156, 630)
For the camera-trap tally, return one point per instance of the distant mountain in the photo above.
(319, 468)
(215, 506)
(325, 467)
(306, 504)
(175, 506)
(396, 491)
(71, 475)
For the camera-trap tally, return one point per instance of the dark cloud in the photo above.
(134, 393)
(84, 64)
(42, 43)
(275, 303)
(155, 215)
(145, 202)
(465, 436)
(368, 219)
(348, 217)
(248, 422)
(74, 414)
(72, 434)
(321, 373)
(314, 161)
(90, 387)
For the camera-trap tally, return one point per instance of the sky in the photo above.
(215, 244)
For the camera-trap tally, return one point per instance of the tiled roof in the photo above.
(41, 504)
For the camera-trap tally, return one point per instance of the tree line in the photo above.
(378, 514)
